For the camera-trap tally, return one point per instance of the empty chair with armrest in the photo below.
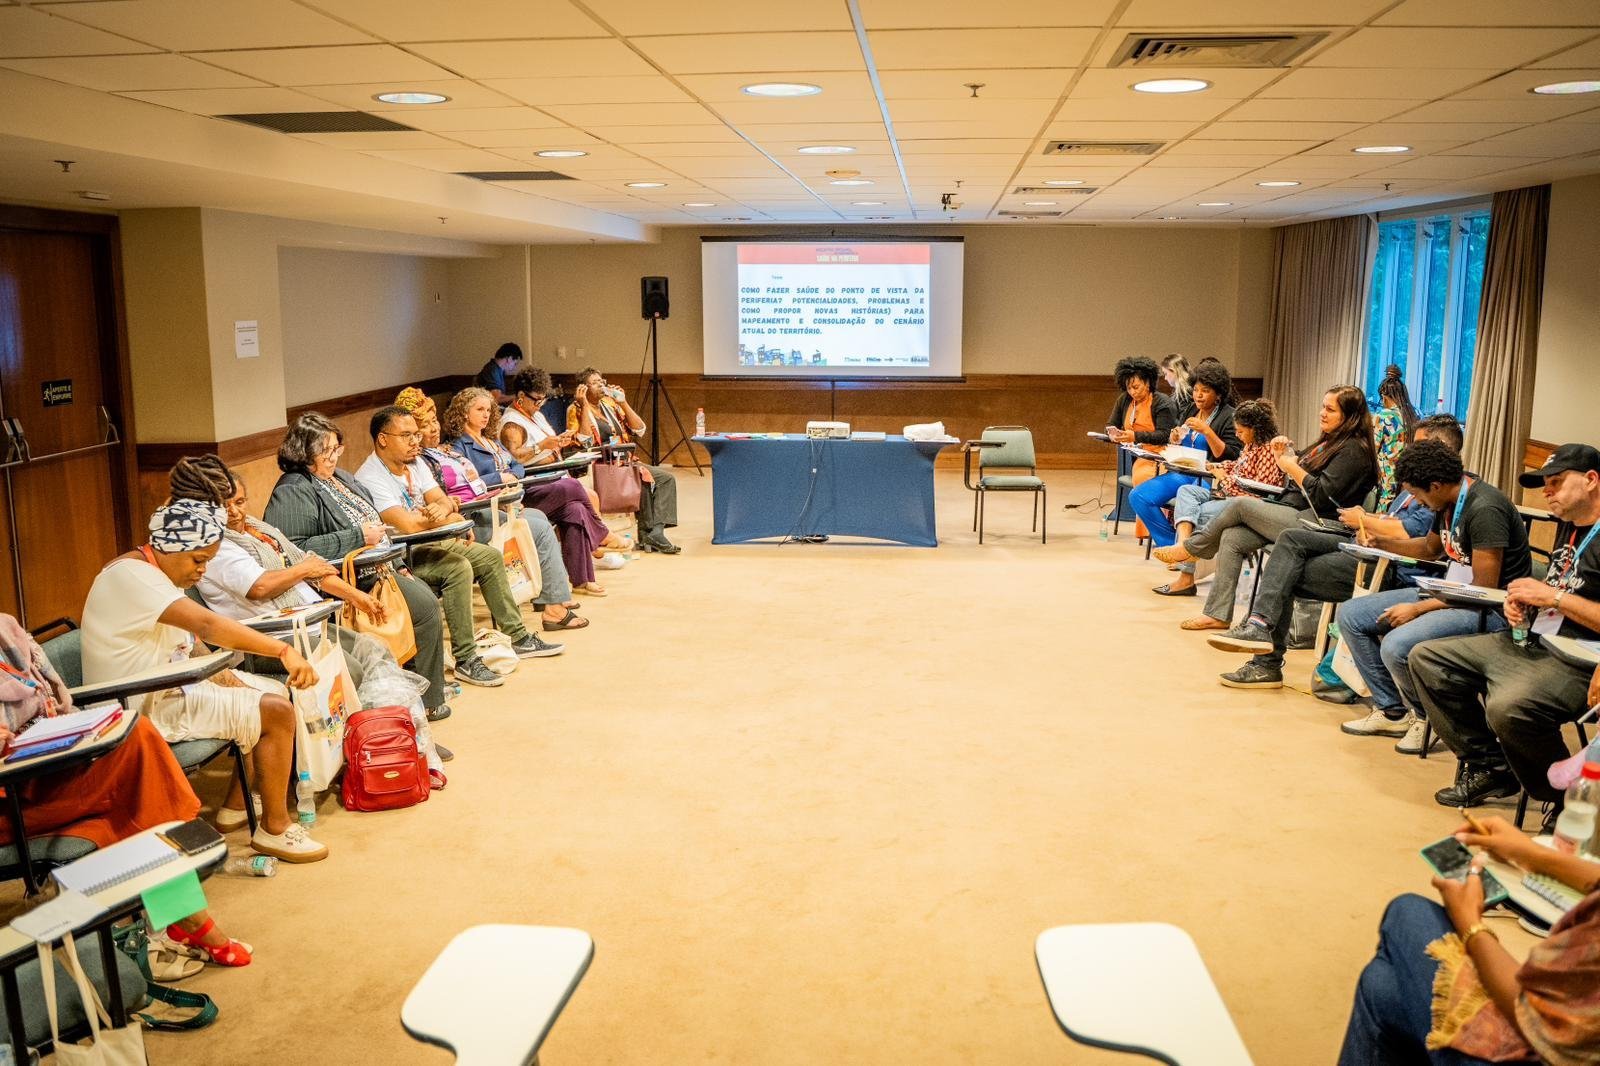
(1004, 448)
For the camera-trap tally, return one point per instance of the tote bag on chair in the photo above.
(322, 709)
(106, 1046)
(395, 629)
(510, 537)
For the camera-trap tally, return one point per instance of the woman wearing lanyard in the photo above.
(1209, 428)
(1481, 534)
(470, 424)
(1141, 415)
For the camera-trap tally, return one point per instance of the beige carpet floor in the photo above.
(814, 804)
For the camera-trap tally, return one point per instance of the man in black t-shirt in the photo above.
(1479, 533)
(492, 375)
(1500, 702)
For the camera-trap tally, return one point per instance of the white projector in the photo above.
(828, 430)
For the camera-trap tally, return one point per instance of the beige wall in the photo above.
(1569, 326)
(353, 321)
(488, 306)
(1046, 300)
(164, 290)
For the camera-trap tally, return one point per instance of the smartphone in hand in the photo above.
(1450, 859)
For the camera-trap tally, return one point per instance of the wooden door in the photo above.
(58, 374)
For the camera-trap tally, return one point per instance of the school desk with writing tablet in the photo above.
(1584, 654)
(278, 623)
(429, 536)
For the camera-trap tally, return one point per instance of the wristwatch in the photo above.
(1473, 930)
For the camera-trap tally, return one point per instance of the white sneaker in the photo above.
(230, 818)
(1375, 724)
(611, 561)
(294, 844)
(1411, 743)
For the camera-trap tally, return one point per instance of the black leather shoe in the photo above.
(659, 544)
(1476, 784)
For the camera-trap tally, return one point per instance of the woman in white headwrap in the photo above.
(137, 617)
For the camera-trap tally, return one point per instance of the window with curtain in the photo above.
(1422, 307)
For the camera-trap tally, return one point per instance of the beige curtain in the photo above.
(1319, 299)
(1501, 410)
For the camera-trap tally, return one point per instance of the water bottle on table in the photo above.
(699, 421)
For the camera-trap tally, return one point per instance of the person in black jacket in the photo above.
(1336, 472)
(1141, 414)
(1210, 428)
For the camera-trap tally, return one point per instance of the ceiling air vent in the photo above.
(1102, 148)
(320, 122)
(514, 175)
(1030, 214)
(1213, 49)
(1054, 190)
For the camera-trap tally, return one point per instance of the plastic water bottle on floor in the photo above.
(306, 798)
(1576, 825)
(699, 421)
(251, 866)
(1105, 527)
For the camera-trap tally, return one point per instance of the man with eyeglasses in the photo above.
(409, 499)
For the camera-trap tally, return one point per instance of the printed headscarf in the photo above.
(416, 401)
(186, 526)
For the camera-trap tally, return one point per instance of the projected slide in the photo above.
(834, 305)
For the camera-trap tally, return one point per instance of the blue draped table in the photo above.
(763, 488)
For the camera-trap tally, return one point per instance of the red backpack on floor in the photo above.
(384, 769)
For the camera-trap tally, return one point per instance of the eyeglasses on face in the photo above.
(331, 453)
(414, 435)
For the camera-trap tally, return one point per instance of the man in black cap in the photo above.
(1499, 700)
(496, 370)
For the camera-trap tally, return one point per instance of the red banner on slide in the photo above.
(833, 254)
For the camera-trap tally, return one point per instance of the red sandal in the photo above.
(233, 953)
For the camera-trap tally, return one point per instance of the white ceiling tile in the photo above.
(1120, 131)
(754, 114)
(362, 96)
(960, 49)
(1530, 108)
(1439, 167)
(600, 157)
(1031, 112)
(635, 18)
(732, 52)
(627, 135)
(1376, 83)
(865, 148)
(465, 20)
(1445, 47)
(1256, 131)
(638, 89)
(1583, 57)
(1250, 147)
(337, 64)
(1167, 161)
(1442, 134)
(919, 14)
(449, 159)
(586, 115)
(199, 25)
(1493, 13)
(1591, 115)
(1550, 140)
(817, 132)
(392, 140)
(27, 33)
(1269, 110)
(977, 146)
(1139, 107)
(703, 150)
(1045, 84)
(481, 118)
(1169, 14)
(234, 101)
(853, 85)
(553, 138)
(944, 163)
(997, 127)
(706, 169)
(1517, 85)
(128, 73)
(549, 59)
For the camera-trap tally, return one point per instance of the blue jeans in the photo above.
(1148, 500)
(1394, 997)
(1193, 504)
(1385, 659)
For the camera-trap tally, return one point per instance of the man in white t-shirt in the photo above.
(137, 618)
(409, 499)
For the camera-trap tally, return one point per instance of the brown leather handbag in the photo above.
(618, 486)
(395, 630)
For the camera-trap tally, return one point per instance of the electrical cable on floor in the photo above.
(813, 447)
(1095, 502)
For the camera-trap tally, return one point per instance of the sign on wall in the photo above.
(57, 393)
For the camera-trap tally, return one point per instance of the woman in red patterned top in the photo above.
(1195, 505)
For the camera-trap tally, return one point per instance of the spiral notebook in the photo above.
(120, 862)
(1553, 891)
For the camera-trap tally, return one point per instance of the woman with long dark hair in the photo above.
(1336, 472)
(1393, 422)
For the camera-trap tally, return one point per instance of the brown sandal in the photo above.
(1203, 622)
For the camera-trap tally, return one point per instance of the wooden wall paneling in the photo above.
(68, 536)
(9, 602)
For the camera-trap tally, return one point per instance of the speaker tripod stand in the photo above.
(657, 391)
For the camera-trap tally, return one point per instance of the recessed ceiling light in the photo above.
(699, 203)
(1038, 203)
(826, 149)
(1382, 149)
(1171, 85)
(866, 203)
(1276, 184)
(781, 88)
(560, 153)
(1064, 181)
(411, 98)
(851, 181)
(1169, 218)
(879, 218)
(647, 185)
(1216, 203)
(1566, 88)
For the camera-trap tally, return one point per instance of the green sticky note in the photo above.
(178, 898)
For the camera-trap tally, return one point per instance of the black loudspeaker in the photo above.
(653, 302)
